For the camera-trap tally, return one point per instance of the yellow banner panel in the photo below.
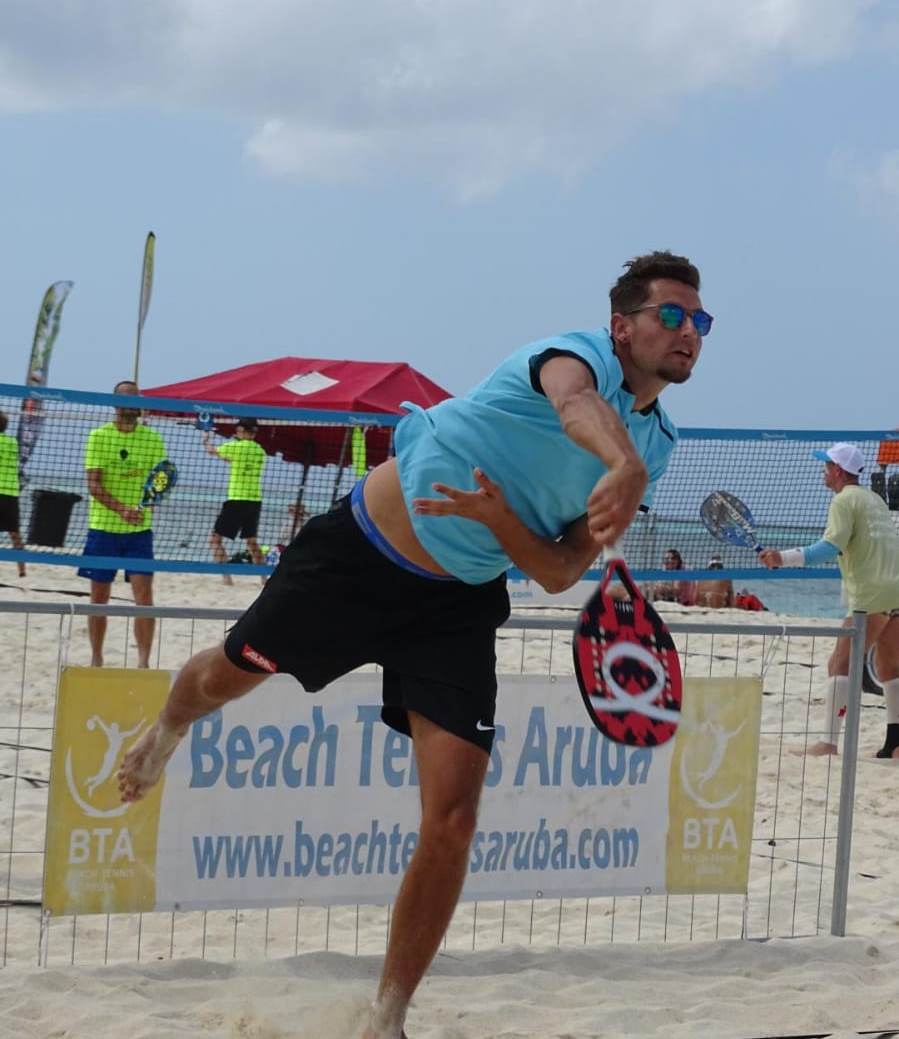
(101, 854)
(711, 789)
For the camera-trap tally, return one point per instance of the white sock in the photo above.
(836, 701)
(891, 700)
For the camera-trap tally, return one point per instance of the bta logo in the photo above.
(115, 738)
(709, 740)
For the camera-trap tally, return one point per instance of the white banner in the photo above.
(285, 797)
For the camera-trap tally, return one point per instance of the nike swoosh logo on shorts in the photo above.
(481, 727)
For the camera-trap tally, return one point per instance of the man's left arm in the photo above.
(555, 565)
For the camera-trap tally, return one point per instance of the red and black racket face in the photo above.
(627, 666)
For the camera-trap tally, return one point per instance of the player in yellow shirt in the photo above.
(239, 515)
(9, 488)
(861, 535)
(117, 460)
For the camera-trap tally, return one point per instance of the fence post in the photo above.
(847, 777)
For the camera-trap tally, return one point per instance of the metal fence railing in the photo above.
(799, 873)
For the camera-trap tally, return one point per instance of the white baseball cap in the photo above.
(846, 456)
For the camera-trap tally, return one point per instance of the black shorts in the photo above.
(335, 602)
(9, 512)
(238, 519)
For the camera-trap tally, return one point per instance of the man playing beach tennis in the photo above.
(861, 535)
(117, 460)
(239, 515)
(541, 465)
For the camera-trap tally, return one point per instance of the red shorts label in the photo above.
(255, 657)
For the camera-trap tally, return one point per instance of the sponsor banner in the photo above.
(525, 592)
(101, 855)
(711, 790)
(283, 797)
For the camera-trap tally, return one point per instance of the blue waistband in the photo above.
(371, 532)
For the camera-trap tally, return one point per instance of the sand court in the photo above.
(517, 970)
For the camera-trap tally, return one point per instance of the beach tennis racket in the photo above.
(728, 519)
(626, 664)
(160, 483)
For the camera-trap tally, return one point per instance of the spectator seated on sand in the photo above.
(715, 593)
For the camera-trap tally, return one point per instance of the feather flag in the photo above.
(146, 291)
(360, 467)
(46, 330)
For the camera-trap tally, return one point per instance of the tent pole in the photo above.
(341, 464)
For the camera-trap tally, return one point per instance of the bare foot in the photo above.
(385, 1019)
(143, 765)
(227, 580)
(96, 661)
(821, 749)
(21, 569)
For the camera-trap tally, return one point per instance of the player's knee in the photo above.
(453, 827)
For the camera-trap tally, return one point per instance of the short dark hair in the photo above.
(124, 382)
(4, 421)
(249, 424)
(632, 288)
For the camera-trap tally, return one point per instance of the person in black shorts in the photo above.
(9, 488)
(541, 465)
(239, 515)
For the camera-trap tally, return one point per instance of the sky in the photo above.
(442, 181)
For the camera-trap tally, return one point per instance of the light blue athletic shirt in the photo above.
(510, 430)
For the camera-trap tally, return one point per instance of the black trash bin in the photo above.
(50, 515)
(893, 492)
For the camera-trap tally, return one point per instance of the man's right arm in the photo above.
(591, 423)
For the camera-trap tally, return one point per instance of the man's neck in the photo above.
(645, 388)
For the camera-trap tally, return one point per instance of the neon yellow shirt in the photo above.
(859, 524)
(247, 460)
(9, 465)
(125, 461)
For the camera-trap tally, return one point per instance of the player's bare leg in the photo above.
(451, 774)
(837, 696)
(256, 555)
(206, 682)
(144, 627)
(16, 538)
(886, 661)
(96, 624)
(219, 555)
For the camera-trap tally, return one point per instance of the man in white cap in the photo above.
(861, 536)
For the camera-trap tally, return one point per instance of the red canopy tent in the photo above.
(313, 383)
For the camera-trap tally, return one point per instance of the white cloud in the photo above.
(874, 180)
(467, 92)
(877, 182)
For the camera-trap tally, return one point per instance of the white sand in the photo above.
(528, 988)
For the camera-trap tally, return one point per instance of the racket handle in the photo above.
(610, 552)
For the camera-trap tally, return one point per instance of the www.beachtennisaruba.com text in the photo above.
(385, 849)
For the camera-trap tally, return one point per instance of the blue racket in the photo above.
(728, 519)
(160, 483)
